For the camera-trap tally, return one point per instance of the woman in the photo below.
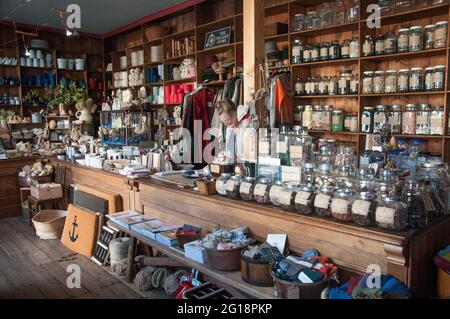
(227, 112)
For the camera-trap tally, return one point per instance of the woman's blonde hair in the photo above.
(226, 106)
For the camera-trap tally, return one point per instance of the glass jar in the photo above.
(378, 82)
(282, 146)
(341, 205)
(326, 118)
(262, 190)
(390, 43)
(345, 156)
(439, 77)
(403, 80)
(233, 185)
(221, 184)
(338, 121)
(364, 208)
(298, 22)
(297, 51)
(390, 83)
(274, 193)
(300, 150)
(403, 40)
(429, 36)
(386, 6)
(351, 122)
(440, 34)
(403, 5)
(430, 174)
(323, 86)
(354, 48)
(322, 201)
(429, 79)
(299, 87)
(335, 50)
(389, 183)
(423, 118)
(415, 39)
(395, 119)
(308, 173)
(338, 12)
(344, 82)
(317, 118)
(298, 112)
(368, 46)
(326, 15)
(307, 117)
(353, 11)
(379, 45)
(304, 200)
(246, 189)
(366, 180)
(354, 84)
(412, 197)
(367, 120)
(409, 120)
(333, 86)
(379, 118)
(416, 80)
(264, 143)
(345, 49)
(391, 213)
(368, 82)
(437, 120)
(324, 175)
(324, 51)
(310, 87)
(315, 19)
(307, 54)
(287, 196)
(315, 52)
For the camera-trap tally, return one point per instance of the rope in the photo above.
(173, 282)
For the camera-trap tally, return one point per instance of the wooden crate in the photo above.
(46, 191)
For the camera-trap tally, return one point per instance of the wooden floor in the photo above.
(34, 268)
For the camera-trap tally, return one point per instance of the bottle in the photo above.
(282, 147)
(338, 13)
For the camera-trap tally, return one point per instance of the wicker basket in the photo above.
(28, 180)
(154, 32)
(49, 224)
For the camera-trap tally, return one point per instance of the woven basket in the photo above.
(49, 224)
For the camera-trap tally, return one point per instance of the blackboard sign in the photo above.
(218, 37)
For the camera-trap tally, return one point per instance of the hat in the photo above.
(271, 48)
(211, 59)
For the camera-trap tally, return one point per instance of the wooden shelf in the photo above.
(153, 63)
(218, 48)
(155, 84)
(217, 22)
(71, 71)
(181, 57)
(281, 37)
(38, 68)
(412, 136)
(9, 66)
(326, 62)
(153, 41)
(333, 133)
(406, 55)
(9, 86)
(187, 80)
(326, 96)
(9, 105)
(404, 94)
(180, 34)
(352, 26)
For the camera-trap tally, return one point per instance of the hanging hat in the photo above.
(271, 48)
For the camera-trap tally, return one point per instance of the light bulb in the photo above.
(68, 33)
(27, 53)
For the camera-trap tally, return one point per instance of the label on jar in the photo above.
(440, 34)
(260, 190)
(437, 126)
(438, 79)
(394, 120)
(414, 40)
(322, 86)
(346, 123)
(306, 120)
(379, 118)
(322, 201)
(354, 86)
(296, 151)
(314, 54)
(379, 46)
(281, 147)
(286, 197)
(403, 82)
(245, 188)
(296, 51)
(337, 119)
(331, 86)
(345, 50)
(231, 185)
(365, 120)
(307, 55)
(385, 215)
(361, 207)
(339, 206)
(220, 187)
(297, 117)
(367, 48)
(324, 52)
(403, 42)
(302, 198)
(291, 174)
(274, 191)
(264, 147)
(409, 119)
(422, 120)
(215, 168)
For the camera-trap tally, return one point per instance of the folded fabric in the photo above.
(308, 276)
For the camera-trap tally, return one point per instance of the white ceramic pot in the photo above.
(62, 63)
(32, 54)
(35, 63)
(134, 58)
(29, 62)
(79, 64)
(39, 54)
(123, 62)
(70, 64)
(42, 63)
(23, 61)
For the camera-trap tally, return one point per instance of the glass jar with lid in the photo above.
(338, 121)
(429, 79)
(439, 77)
(415, 38)
(287, 196)
(307, 117)
(345, 176)
(262, 190)
(395, 119)
(326, 118)
(364, 208)
(409, 119)
(341, 205)
(300, 149)
(315, 19)
(221, 184)
(379, 45)
(423, 118)
(390, 43)
(297, 51)
(326, 155)
(389, 183)
(333, 86)
(274, 193)
(367, 120)
(247, 187)
(322, 201)
(304, 199)
(354, 48)
(344, 82)
(391, 213)
(335, 50)
(308, 173)
(298, 22)
(379, 118)
(282, 146)
(264, 143)
(299, 87)
(368, 82)
(324, 174)
(368, 46)
(429, 36)
(345, 49)
(326, 15)
(403, 5)
(412, 197)
(378, 82)
(307, 53)
(366, 180)
(390, 83)
(323, 85)
(354, 84)
(403, 40)
(315, 52)
(298, 112)
(351, 122)
(309, 86)
(437, 120)
(324, 51)
(317, 118)
(353, 11)
(416, 80)
(403, 80)
(233, 185)
(440, 34)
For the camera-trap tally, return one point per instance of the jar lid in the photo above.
(308, 188)
(380, 107)
(325, 167)
(312, 12)
(416, 69)
(327, 107)
(250, 179)
(391, 71)
(299, 15)
(441, 23)
(432, 164)
(309, 165)
(379, 72)
(318, 107)
(299, 107)
(368, 36)
(396, 107)
(366, 196)
(386, 173)
(366, 172)
(424, 106)
(337, 111)
(417, 27)
(429, 69)
(326, 189)
(403, 70)
(439, 67)
(278, 183)
(410, 106)
(430, 26)
(308, 107)
(344, 192)
(236, 178)
(438, 107)
(368, 72)
(403, 30)
(265, 180)
(325, 150)
(225, 175)
(292, 185)
(345, 71)
(368, 108)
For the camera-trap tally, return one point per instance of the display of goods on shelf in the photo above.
(9, 100)
(154, 32)
(180, 47)
(37, 59)
(44, 79)
(174, 93)
(71, 64)
(315, 52)
(4, 60)
(346, 83)
(9, 80)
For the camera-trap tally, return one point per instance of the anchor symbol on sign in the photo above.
(72, 236)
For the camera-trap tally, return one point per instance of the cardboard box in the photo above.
(195, 251)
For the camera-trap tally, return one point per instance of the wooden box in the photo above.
(46, 191)
(275, 29)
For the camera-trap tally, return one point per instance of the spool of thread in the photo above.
(140, 57)
(123, 62)
(156, 53)
(134, 58)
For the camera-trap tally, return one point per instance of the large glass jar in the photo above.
(379, 45)
(440, 34)
(326, 15)
(297, 51)
(233, 186)
(364, 208)
(353, 11)
(368, 46)
(335, 50)
(354, 84)
(274, 193)
(307, 54)
(299, 87)
(390, 83)
(403, 5)
(416, 80)
(423, 118)
(314, 20)
(379, 118)
(439, 77)
(341, 205)
(262, 190)
(437, 120)
(300, 149)
(324, 175)
(368, 82)
(403, 40)
(378, 82)
(282, 147)
(345, 176)
(354, 48)
(431, 174)
(322, 201)
(247, 188)
(351, 122)
(366, 180)
(429, 36)
(415, 39)
(344, 82)
(390, 43)
(389, 183)
(221, 184)
(308, 173)
(307, 117)
(391, 214)
(298, 112)
(298, 22)
(264, 143)
(412, 197)
(395, 119)
(403, 80)
(304, 199)
(323, 86)
(409, 119)
(345, 49)
(317, 118)
(315, 52)
(429, 79)
(333, 86)
(325, 51)
(367, 120)
(287, 196)
(338, 121)
(338, 12)
(327, 113)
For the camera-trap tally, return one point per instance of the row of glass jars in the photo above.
(405, 80)
(415, 119)
(397, 6)
(324, 118)
(324, 51)
(345, 84)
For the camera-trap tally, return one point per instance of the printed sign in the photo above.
(218, 37)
